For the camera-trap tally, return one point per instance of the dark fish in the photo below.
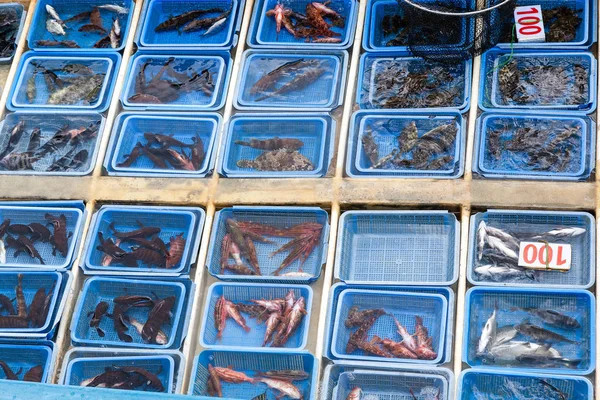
(540, 334)
(60, 240)
(272, 144)
(182, 19)
(78, 69)
(92, 29)
(36, 308)
(6, 304)
(13, 322)
(180, 161)
(272, 77)
(119, 324)
(109, 378)
(97, 314)
(18, 161)
(148, 257)
(287, 374)
(215, 381)
(103, 43)
(78, 160)
(95, 17)
(204, 23)
(299, 82)
(155, 244)
(80, 17)
(34, 374)
(143, 231)
(131, 157)
(34, 140)
(29, 247)
(157, 317)
(15, 136)
(56, 43)
(134, 301)
(4, 227)
(20, 229)
(554, 318)
(164, 140)
(109, 247)
(144, 98)
(8, 372)
(176, 247)
(151, 379)
(198, 153)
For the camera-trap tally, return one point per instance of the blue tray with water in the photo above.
(67, 9)
(527, 224)
(129, 130)
(43, 98)
(278, 217)
(510, 302)
(20, 358)
(324, 91)
(249, 363)
(156, 12)
(172, 221)
(398, 248)
(385, 128)
(21, 14)
(316, 131)
(185, 67)
(545, 81)
(234, 335)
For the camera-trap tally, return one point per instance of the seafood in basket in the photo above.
(10, 22)
(561, 24)
(207, 20)
(126, 377)
(25, 362)
(23, 315)
(279, 154)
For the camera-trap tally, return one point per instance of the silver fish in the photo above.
(52, 12)
(284, 387)
(481, 239)
(408, 339)
(498, 244)
(216, 26)
(504, 335)
(161, 337)
(488, 335)
(510, 351)
(500, 234)
(562, 233)
(115, 35)
(540, 334)
(117, 27)
(297, 274)
(114, 8)
(502, 272)
(54, 27)
(2, 252)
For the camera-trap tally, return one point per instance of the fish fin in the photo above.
(247, 329)
(375, 340)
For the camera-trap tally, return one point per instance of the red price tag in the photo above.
(529, 24)
(539, 255)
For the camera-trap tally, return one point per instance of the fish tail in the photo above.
(242, 143)
(246, 328)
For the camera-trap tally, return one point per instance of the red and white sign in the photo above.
(530, 24)
(539, 255)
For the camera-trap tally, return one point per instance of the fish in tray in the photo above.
(9, 26)
(126, 378)
(34, 374)
(196, 20)
(278, 155)
(21, 318)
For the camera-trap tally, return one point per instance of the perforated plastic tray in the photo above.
(577, 304)
(398, 247)
(527, 224)
(21, 357)
(21, 15)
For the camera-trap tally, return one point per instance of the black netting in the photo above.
(462, 32)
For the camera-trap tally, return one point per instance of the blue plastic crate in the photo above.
(218, 64)
(21, 15)
(172, 221)
(81, 369)
(577, 304)
(234, 335)
(263, 31)
(398, 247)
(325, 92)
(453, 93)
(526, 224)
(385, 128)
(251, 362)
(106, 64)
(404, 306)
(483, 383)
(85, 40)
(562, 91)
(129, 130)
(20, 358)
(278, 217)
(509, 164)
(27, 215)
(156, 12)
(316, 131)
(97, 289)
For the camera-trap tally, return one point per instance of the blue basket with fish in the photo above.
(407, 311)
(305, 231)
(173, 233)
(128, 332)
(253, 149)
(340, 16)
(252, 364)
(541, 81)
(395, 144)
(386, 81)
(162, 144)
(83, 371)
(47, 81)
(69, 26)
(39, 147)
(29, 362)
(30, 241)
(279, 80)
(184, 82)
(187, 24)
(546, 330)
(255, 320)
(496, 235)
(16, 14)
(484, 383)
(398, 248)
(535, 147)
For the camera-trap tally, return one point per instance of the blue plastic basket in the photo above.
(578, 304)
(129, 130)
(324, 93)
(263, 28)
(97, 289)
(218, 64)
(458, 89)
(20, 358)
(250, 362)
(510, 164)
(21, 15)
(81, 369)
(315, 130)
(106, 64)
(50, 123)
(69, 8)
(157, 11)
(385, 127)
(524, 225)
(573, 97)
(278, 217)
(398, 248)
(172, 221)
(404, 306)
(487, 383)
(234, 335)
